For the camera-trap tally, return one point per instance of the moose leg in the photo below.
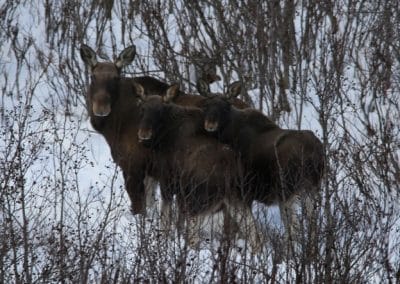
(289, 216)
(300, 234)
(308, 209)
(134, 185)
(241, 213)
(196, 222)
(150, 185)
(165, 215)
(194, 229)
(230, 227)
(165, 210)
(311, 218)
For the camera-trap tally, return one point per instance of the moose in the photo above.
(113, 111)
(112, 104)
(282, 165)
(202, 173)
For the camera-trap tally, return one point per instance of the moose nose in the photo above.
(101, 114)
(144, 134)
(210, 126)
(101, 110)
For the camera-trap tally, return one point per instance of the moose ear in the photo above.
(172, 92)
(125, 57)
(234, 89)
(139, 91)
(88, 56)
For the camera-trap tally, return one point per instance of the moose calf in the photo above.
(282, 165)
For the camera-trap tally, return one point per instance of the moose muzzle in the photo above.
(210, 126)
(101, 109)
(144, 134)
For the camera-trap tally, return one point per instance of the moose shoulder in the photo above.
(283, 164)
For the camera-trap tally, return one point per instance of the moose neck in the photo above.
(241, 125)
(177, 123)
(230, 128)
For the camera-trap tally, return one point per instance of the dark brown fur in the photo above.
(280, 165)
(202, 173)
(192, 165)
(112, 105)
(268, 151)
(114, 113)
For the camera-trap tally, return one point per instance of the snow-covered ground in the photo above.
(63, 198)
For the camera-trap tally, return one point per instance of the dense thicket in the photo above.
(329, 66)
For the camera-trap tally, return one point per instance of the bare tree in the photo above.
(328, 66)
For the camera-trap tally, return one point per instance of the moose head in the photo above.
(217, 106)
(152, 110)
(105, 77)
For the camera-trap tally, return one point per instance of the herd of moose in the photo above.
(208, 152)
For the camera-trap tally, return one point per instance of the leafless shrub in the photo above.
(330, 66)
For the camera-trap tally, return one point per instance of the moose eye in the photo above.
(92, 78)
